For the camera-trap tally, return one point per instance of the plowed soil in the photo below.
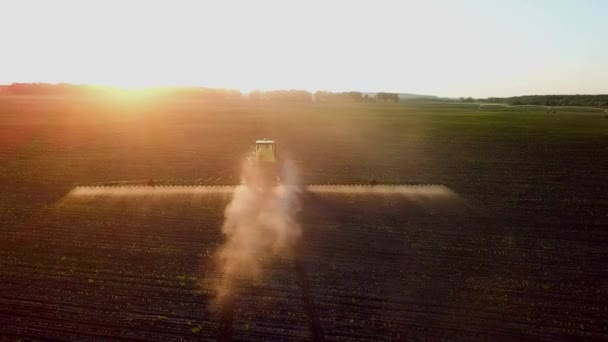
(523, 258)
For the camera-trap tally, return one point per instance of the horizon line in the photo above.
(248, 91)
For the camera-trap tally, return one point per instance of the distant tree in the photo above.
(467, 100)
(351, 96)
(387, 97)
(355, 96)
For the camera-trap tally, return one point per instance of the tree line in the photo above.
(66, 89)
(548, 100)
(202, 93)
(321, 96)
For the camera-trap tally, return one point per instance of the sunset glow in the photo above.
(476, 48)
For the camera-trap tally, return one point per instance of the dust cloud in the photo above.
(259, 224)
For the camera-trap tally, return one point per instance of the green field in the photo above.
(526, 259)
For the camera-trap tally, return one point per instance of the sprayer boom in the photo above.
(263, 170)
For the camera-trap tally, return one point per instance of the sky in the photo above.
(447, 48)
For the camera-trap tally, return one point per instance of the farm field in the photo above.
(523, 258)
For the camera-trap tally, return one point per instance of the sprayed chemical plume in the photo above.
(259, 224)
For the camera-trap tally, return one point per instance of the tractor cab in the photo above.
(263, 171)
(265, 150)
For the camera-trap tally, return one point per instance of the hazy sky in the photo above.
(450, 48)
